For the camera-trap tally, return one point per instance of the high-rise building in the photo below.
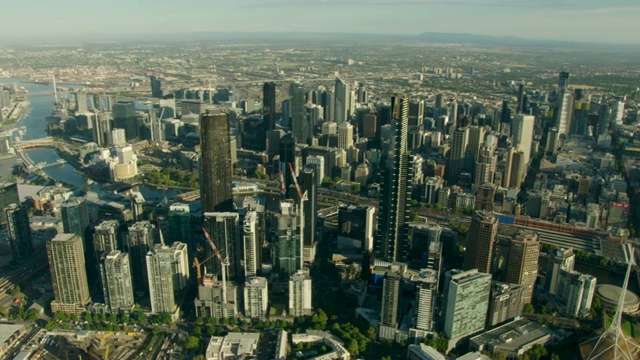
(156, 87)
(288, 243)
(300, 127)
(559, 259)
(575, 292)
(251, 246)
(480, 242)
(416, 113)
(68, 275)
(309, 185)
(269, 104)
(426, 295)
(105, 238)
(102, 127)
(8, 196)
(390, 300)
(215, 143)
(522, 134)
(342, 101)
(124, 117)
(515, 170)
(505, 302)
(117, 137)
(139, 242)
(300, 294)
(81, 101)
(287, 156)
(522, 269)
(345, 135)
(467, 302)
(396, 177)
(356, 226)
(19, 231)
(159, 269)
(224, 229)
(180, 224)
(457, 155)
(210, 299)
(485, 197)
(117, 283)
(486, 163)
(319, 162)
(75, 216)
(179, 265)
(564, 112)
(256, 297)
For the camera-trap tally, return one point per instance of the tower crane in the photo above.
(197, 263)
(223, 267)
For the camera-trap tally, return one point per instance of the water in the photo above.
(42, 99)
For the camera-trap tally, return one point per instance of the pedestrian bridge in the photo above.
(35, 143)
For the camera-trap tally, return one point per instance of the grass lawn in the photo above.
(628, 327)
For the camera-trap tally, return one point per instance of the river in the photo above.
(42, 99)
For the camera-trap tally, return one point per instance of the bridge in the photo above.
(35, 143)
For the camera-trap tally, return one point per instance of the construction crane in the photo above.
(303, 198)
(223, 267)
(197, 263)
(283, 189)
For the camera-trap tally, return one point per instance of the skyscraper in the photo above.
(485, 166)
(117, 284)
(300, 127)
(559, 259)
(75, 216)
(180, 223)
(68, 275)
(309, 184)
(480, 242)
(124, 117)
(139, 241)
(81, 101)
(505, 302)
(156, 87)
(288, 244)
(396, 177)
(18, 231)
(217, 170)
(467, 302)
(179, 265)
(300, 294)
(575, 292)
(224, 229)
(105, 238)
(160, 274)
(269, 104)
(522, 134)
(252, 247)
(564, 112)
(342, 101)
(426, 294)
(210, 299)
(522, 268)
(390, 298)
(457, 155)
(345, 135)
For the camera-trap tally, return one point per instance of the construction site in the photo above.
(99, 345)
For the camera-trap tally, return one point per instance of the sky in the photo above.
(610, 21)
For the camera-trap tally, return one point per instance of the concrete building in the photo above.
(117, 283)
(390, 298)
(233, 346)
(159, 270)
(575, 292)
(320, 170)
(505, 303)
(68, 275)
(256, 297)
(522, 135)
(179, 265)
(559, 259)
(139, 241)
(319, 338)
(513, 339)
(224, 229)
(105, 238)
(356, 226)
(480, 242)
(345, 135)
(426, 294)
(117, 137)
(423, 352)
(467, 301)
(210, 301)
(251, 246)
(524, 251)
(300, 294)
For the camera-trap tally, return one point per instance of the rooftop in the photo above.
(512, 336)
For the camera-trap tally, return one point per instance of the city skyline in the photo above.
(543, 20)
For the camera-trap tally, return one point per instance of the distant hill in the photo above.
(487, 39)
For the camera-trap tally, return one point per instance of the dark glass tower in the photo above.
(215, 145)
(19, 232)
(309, 183)
(396, 179)
(75, 217)
(269, 104)
(299, 124)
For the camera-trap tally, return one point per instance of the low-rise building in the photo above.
(513, 339)
(338, 351)
(423, 352)
(233, 346)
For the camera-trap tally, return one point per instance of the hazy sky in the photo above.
(585, 20)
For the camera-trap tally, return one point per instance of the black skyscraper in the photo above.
(269, 104)
(309, 183)
(19, 231)
(215, 145)
(396, 179)
(287, 155)
(156, 87)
